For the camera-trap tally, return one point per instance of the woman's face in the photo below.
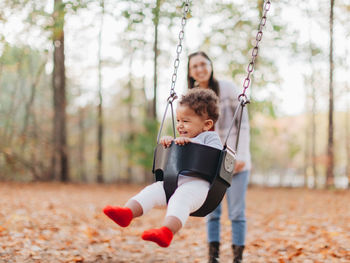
(200, 69)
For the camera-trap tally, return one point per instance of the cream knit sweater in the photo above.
(228, 103)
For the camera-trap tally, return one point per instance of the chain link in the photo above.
(186, 7)
(255, 50)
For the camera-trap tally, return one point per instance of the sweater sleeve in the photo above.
(243, 149)
(228, 104)
(209, 138)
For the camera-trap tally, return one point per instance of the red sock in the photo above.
(162, 236)
(121, 215)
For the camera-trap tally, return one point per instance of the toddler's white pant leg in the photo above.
(187, 198)
(151, 196)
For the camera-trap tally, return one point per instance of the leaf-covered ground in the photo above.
(64, 223)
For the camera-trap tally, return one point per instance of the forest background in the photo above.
(83, 85)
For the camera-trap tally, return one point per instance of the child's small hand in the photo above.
(182, 140)
(166, 141)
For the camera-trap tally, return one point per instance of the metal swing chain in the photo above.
(242, 98)
(186, 8)
(173, 96)
(255, 50)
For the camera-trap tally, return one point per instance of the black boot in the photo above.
(214, 249)
(237, 253)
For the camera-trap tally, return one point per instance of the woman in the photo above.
(201, 74)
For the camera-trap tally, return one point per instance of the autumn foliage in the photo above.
(64, 223)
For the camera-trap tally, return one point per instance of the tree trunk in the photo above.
(313, 105)
(81, 145)
(99, 176)
(330, 148)
(130, 120)
(148, 175)
(60, 150)
(1, 69)
(307, 141)
(155, 50)
(8, 125)
(307, 136)
(313, 132)
(29, 104)
(347, 137)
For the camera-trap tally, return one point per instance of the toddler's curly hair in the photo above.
(203, 102)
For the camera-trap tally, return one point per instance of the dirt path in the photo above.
(64, 223)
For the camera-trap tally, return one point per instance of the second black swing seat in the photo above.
(213, 165)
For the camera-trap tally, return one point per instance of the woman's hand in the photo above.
(239, 166)
(182, 140)
(166, 141)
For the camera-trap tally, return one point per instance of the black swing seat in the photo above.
(213, 165)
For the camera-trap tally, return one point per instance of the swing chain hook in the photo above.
(172, 97)
(186, 8)
(251, 65)
(243, 99)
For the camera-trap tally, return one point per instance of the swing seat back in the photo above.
(208, 163)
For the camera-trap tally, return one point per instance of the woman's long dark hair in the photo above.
(213, 83)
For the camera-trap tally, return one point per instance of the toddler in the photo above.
(196, 115)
